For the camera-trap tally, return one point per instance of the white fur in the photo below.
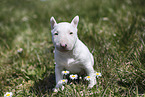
(75, 57)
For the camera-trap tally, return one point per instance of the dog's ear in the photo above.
(53, 22)
(75, 21)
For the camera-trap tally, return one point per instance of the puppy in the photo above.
(70, 52)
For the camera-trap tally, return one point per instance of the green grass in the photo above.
(112, 29)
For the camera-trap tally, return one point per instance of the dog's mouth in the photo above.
(63, 49)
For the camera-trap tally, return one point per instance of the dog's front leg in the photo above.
(90, 71)
(58, 75)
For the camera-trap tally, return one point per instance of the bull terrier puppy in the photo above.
(70, 53)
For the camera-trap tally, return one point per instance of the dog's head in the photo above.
(64, 35)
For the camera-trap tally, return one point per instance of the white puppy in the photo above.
(70, 53)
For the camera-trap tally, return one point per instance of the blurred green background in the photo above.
(113, 30)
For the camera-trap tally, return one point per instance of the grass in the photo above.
(112, 29)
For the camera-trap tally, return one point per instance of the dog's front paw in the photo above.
(58, 89)
(92, 83)
(90, 86)
(55, 90)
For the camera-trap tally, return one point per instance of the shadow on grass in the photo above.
(44, 86)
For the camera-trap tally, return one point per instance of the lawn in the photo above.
(113, 30)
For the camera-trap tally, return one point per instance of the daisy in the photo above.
(62, 81)
(87, 78)
(65, 72)
(105, 19)
(80, 77)
(75, 76)
(98, 74)
(19, 50)
(8, 94)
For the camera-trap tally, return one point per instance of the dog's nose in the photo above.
(63, 45)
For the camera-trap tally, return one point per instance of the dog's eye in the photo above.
(56, 33)
(71, 33)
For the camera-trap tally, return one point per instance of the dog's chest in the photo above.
(69, 62)
(73, 65)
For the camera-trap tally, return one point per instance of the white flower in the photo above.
(25, 19)
(65, 72)
(19, 50)
(53, 51)
(80, 77)
(75, 76)
(114, 34)
(105, 19)
(62, 81)
(87, 78)
(8, 94)
(98, 74)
